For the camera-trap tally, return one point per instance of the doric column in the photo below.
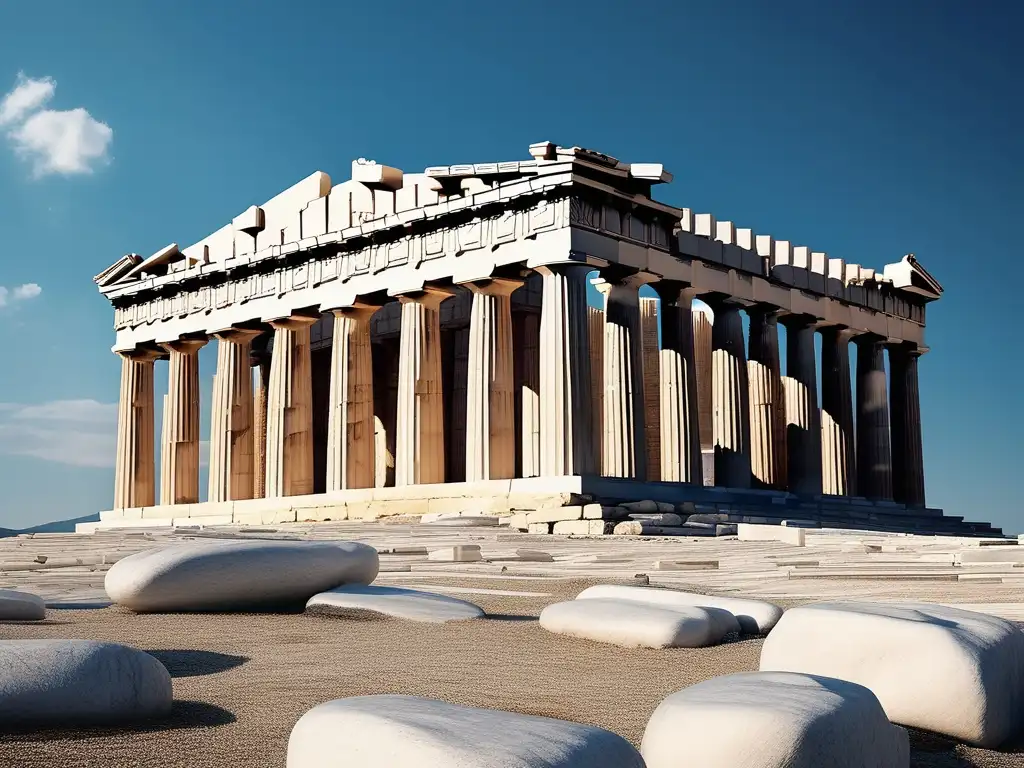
(179, 464)
(874, 455)
(730, 403)
(134, 464)
(526, 326)
(350, 427)
(231, 419)
(680, 431)
(490, 396)
(259, 428)
(289, 469)
(803, 433)
(767, 410)
(907, 452)
(566, 425)
(596, 318)
(837, 437)
(419, 444)
(652, 384)
(702, 363)
(624, 434)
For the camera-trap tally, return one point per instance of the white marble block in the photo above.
(941, 669)
(238, 574)
(65, 682)
(413, 732)
(395, 602)
(632, 624)
(754, 616)
(21, 606)
(461, 553)
(773, 720)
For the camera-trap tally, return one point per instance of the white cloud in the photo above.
(19, 293)
(28, 95)
(63, 142)
(81, 433)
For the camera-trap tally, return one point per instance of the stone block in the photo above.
(264, 517)
(461, 553)
(21, 606)
(726, 529)
(662, 519)
(754, 532)
(628, 528)
(686, 565)
(580, 527)
(539, 528)
(646, 506)
(211, 509)
(519, 522)
(791, 523)
(894, 649)
(630, 624)
(555, 515)
(199, 522)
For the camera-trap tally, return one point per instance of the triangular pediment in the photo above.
(908, 275)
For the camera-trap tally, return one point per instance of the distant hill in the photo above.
(57, 526)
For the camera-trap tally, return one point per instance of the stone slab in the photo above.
(750, 532)
(631, 624)
(461, 553)
(395, 602)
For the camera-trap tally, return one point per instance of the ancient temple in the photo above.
(400, 343)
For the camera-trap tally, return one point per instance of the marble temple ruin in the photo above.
(399, 343)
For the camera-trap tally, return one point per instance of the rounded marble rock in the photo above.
(396, 602)
(21, 606)
(631, 624)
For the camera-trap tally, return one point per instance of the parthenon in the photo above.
(407, 342)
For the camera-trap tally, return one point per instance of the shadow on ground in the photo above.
(184, 714)
(191, 663)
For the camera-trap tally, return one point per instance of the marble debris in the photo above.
(237, 574)
(395, 602)
(773, 720)
(412, 732)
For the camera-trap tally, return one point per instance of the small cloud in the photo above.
(19, 293)
(28, 95)
(62, 142)
(79, 433)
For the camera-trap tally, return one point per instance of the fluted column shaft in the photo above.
(232, 445)
(730, 403)
(680, 431)
(490, 404)
(803, 431)
(351, 457)
(907, 453)
(624, 434)
(838, 455)
(134, 467)
(596, 318)
(419, 445)
(179, 466)
(289, 468)
(702, 365)
(526, 326)
(874, 454)
(259, 429)
(566, 425)
(767, 409)
(649, 353)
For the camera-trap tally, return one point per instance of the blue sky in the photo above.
(866, 129)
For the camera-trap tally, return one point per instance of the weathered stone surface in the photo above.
(413, 732)
(754, 616)
(238, 574)
(465, 521)
(728, 529)
(555, 515)
(647, 506)
(74, 681)
(773, 720)
(580, 527)
(663, 519)
(753, 532)
(539, 528)
(397, 602)
(895, 649)
(628, 528)
(632, 624)
(21, 606)
(461, 553)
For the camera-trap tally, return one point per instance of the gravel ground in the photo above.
(242, 680)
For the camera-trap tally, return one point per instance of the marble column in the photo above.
(649, 353)
(907, 450)
(490, 395)
(526, 326)
(259, 419)
(730, 402)
(624, 434)
(566, 424)
(702, 364)
(874, 455)
(351, 456)
(803, 430)
(767, 410)
(596, 318)
(134, 464)
(289, 470)
(680, 432)
(419, 444)
(232, 445)
(179, 463)
(837, 436)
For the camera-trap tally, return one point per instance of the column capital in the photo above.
(140, 355)
(868, 338)
(842, 332)
(236, 335)
(617, 276)
(292, 322)
(790, 320)
(359, 310)
(184, 346)
(497, 286)
(431, 296)
(674, 291)
(908, 348)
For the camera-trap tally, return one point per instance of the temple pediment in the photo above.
(908, 275)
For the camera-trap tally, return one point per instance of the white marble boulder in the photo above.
(69, 682)
(413, 732)
(395, 602)
(21, 606)
(237, 575)
(773, 720)
(754, 616)
(632, 624)
(933, 667)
